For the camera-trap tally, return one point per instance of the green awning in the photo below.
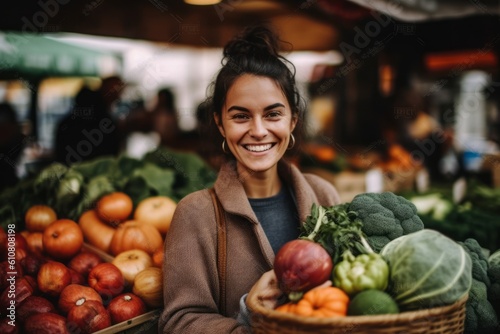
(37, 56)
(34, 57)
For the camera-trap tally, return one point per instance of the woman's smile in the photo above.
(258, 147)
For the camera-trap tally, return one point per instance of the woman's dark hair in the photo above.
(255, 51)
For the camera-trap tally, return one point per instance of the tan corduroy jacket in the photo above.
(191, 288)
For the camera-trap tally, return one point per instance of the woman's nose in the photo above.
(257, 128)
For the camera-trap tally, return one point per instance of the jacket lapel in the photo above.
(229, 189)
(303, 194)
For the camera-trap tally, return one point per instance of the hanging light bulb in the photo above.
(202, 2)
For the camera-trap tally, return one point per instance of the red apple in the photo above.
(20, 254)
(45, 323)
(32, 305)
(107, 280)
(7, 270)
(62, 239)
(35, 243)
(89, 316)
(53, 277)
(74, 292)
(21, 242)
(22, 288)
(77, 278)
(10, 242)
(83, 262)
(31, 264)
(6, 326)
(125, 306)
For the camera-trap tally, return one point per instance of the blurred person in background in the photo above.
(12, 143)
(257, 116)
(110, 92)
(146, 129)
(164, 117)
(90, 129)
(418, 132)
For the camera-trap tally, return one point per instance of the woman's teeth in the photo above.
(258, 148)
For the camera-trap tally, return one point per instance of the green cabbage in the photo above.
(427, 269)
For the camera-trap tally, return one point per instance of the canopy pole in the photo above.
(34, 85)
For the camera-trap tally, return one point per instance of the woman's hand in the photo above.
(266, 290)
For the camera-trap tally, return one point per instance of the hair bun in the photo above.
(253, 40)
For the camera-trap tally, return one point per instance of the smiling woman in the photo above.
(257, 125)
(256, 117)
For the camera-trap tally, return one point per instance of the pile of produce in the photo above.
(58, 277)
(73, 190)
(476, 216)
(81, 247)
(381, 259)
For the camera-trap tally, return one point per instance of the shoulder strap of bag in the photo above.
(221, 249)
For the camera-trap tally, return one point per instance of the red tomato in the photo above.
(114, 208)
(62, 239)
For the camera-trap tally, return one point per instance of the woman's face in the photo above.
(256, 121)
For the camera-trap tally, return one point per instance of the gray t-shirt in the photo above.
(278, 217)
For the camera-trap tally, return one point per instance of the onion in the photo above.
(301, 265)
(148, 285)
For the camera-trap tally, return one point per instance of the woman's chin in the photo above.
(258, 167)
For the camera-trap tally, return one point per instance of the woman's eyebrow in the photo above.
(270, 107)
(237, 108)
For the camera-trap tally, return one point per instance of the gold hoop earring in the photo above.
(224, 146)
(292, 140)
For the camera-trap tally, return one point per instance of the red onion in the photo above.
(301, 265)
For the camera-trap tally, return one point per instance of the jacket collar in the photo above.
(229, 189)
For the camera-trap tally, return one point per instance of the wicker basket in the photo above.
(447, 319)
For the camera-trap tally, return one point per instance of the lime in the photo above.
(370, 302)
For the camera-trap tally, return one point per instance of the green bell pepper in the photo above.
(365, 271)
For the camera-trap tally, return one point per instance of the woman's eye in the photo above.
(273, 114)
(240, 116)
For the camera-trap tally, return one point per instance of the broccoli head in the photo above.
(494, 276)
(480, 316)
(385, 216)
(479, 261)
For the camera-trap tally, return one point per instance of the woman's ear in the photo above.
(218, 122)
(295, 119)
